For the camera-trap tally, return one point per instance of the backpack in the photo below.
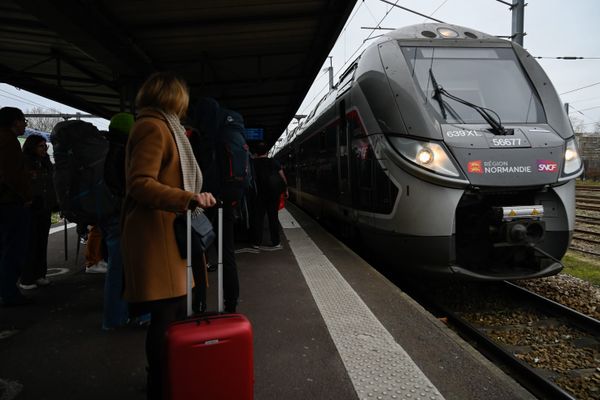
(79, 153)
(234, 155)
(221, 150)
(114, 166)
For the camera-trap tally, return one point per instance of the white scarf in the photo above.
(192, 175)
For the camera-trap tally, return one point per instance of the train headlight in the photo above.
(428, 155)
(572, 159)
(425, 156)
(447, 32)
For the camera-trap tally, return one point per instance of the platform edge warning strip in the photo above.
(378, 367)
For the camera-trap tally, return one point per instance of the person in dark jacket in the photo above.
(270, 184)
(15, 202)
(115, 307)
(40, 168)
(206, 116)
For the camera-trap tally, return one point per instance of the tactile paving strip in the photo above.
(378, 366)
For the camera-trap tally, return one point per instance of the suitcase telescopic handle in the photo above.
(188, 279)
(220, 254)
(189, 274)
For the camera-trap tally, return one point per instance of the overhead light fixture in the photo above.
(447, 33)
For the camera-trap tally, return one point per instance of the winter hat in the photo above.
(121, 122)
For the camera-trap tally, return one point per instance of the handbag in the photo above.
(203, 234)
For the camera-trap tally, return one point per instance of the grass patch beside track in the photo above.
(582, 267)
(588, 182)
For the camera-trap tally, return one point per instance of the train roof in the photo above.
(433, 31)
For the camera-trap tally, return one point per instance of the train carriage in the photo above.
(447, 151)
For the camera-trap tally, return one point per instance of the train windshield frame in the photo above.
(490, 77)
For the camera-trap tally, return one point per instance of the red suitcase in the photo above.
(210, 357)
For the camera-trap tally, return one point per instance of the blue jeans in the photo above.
(14, 239)
(115, 308)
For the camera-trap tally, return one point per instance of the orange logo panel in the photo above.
(475, 167)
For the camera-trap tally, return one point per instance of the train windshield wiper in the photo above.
(486, 113)
(437, 93)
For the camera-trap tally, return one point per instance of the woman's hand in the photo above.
(205, 199)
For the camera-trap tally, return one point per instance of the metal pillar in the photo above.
(518, 18)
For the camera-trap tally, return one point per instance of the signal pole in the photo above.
(330, 68)
(518, 19)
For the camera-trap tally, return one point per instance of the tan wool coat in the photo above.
(153, 268)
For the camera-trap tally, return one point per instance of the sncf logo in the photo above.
(546, 166)
(475, 167)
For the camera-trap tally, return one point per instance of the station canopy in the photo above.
(256, 57)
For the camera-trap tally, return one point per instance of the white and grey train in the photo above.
(446, 150)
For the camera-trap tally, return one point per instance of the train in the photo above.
(444, 151)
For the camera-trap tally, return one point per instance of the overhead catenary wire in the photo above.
(581, 111)
(438, 7)
(16, 97)
(413, 11)
(351, 58)
(580, 88)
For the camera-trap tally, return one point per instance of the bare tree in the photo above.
(577, 123)
(44, 124)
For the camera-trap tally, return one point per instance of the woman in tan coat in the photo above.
(162, 179)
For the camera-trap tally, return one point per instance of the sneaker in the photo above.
(99, 268)
(43, 282)
(255, 246)
(211, 267)
(28, 287)
(142, 320)
(271, 248)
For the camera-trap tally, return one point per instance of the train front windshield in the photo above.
(487, 77)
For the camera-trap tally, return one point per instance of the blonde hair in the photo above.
(165, 91)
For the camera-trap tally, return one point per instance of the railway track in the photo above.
(591, 188)
(549, 348)
(585, 219)
(588, 207)
(587, 241)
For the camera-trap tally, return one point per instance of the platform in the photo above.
(326, 326)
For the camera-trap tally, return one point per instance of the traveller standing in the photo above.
(162, 179)
(40, 168)
(225, 163)
(15, 202)
(116, 312)
(270, 184)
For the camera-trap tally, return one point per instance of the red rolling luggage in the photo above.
(209, 357)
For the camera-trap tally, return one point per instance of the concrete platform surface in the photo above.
(308, 304)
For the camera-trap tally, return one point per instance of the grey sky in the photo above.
(554, 28)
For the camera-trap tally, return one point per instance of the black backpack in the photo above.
(220, 147)
(234, 155)
(79, 154)
(114, 166)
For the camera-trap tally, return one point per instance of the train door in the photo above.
(344, 188)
